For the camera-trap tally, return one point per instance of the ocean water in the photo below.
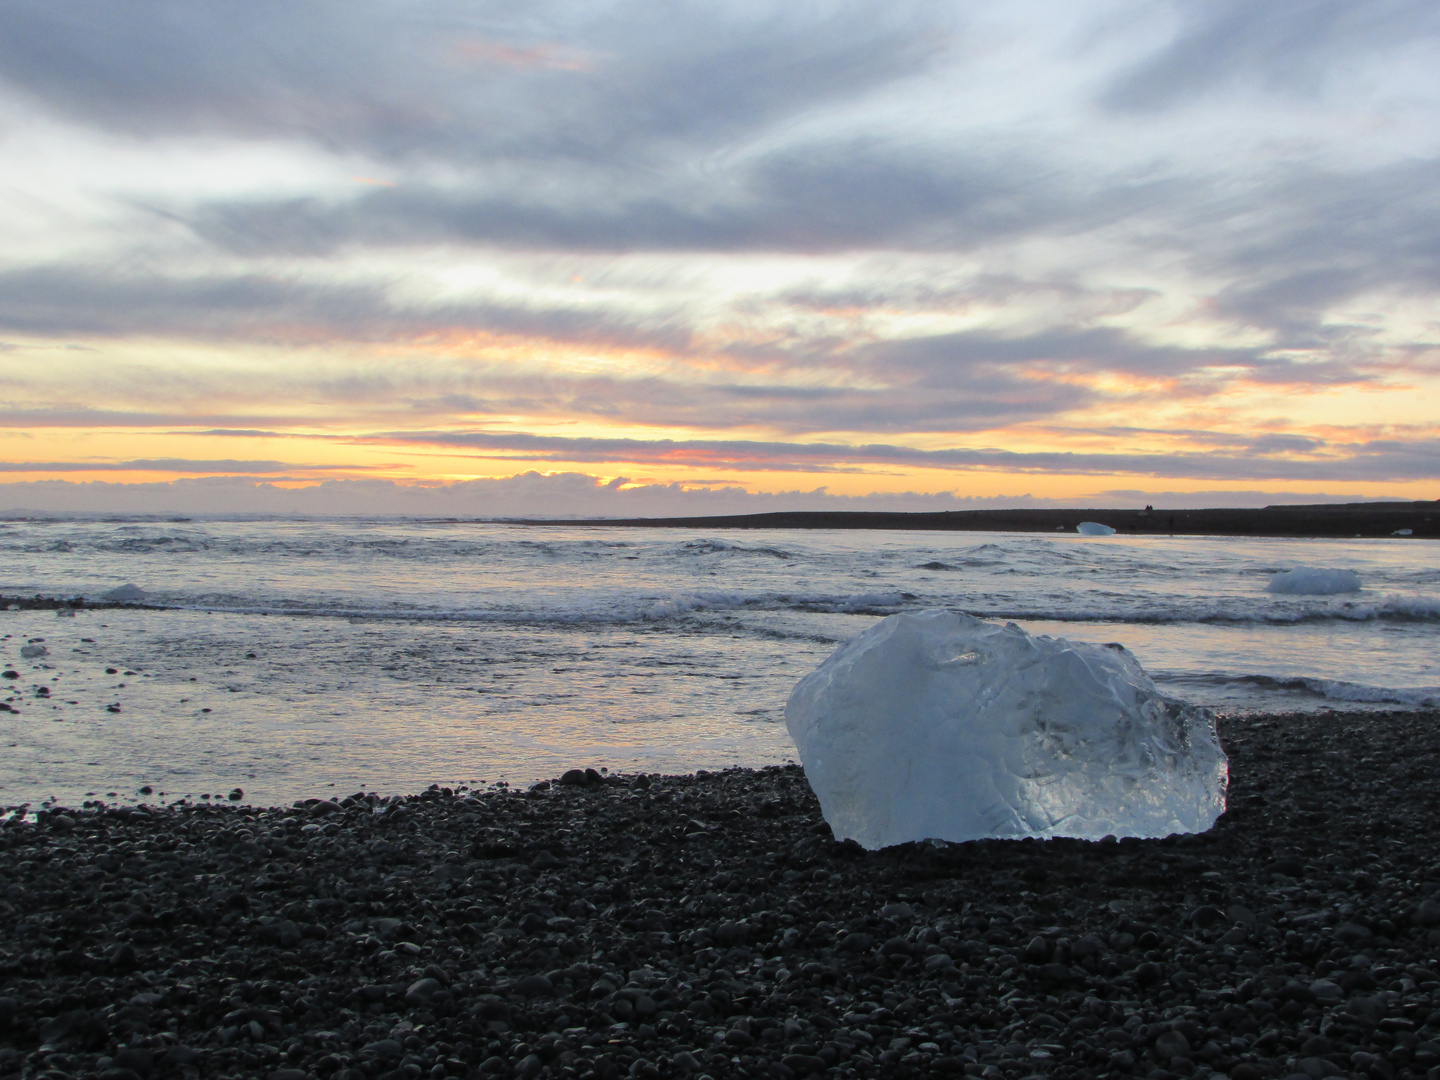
(292, 657)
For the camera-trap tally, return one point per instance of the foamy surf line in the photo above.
(1338, 690)
(613, 610)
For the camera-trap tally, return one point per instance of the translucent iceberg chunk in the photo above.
(1094, 528)
(1313, 581)
(938, 725)
(125, 594)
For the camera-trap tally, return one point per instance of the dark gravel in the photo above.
(672, 926)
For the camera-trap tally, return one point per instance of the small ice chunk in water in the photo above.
(1094, 528)
(1314, 581)
(31, 652)
(125, 593)
(938, 725)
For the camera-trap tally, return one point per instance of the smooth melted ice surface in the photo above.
(937, 725)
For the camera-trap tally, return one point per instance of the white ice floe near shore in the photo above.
(938, 725)
(125, 594)
(1094, 528)
(1313, 581)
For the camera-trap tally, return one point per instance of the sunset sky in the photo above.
(531, 257)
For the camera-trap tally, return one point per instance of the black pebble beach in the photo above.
(709, 925)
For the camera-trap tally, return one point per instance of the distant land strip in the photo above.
(1422, 519)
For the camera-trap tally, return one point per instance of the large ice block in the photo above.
(938, 725)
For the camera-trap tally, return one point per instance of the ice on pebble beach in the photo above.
(33, 652)
(938, 725)
(125, 593)
(1094, 528)
(1314, 581)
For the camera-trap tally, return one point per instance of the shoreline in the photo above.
(708, 925)
(1320, 521)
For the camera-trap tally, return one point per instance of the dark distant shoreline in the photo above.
(1322, 520)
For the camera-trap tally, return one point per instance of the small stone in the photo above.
(574, 778)
(123, 957)
(529, 1066)
(534, 986)
(1327, 993)
(135, 1058)
(1428, 913)
(1353, 934)
(1206, 915)
(1148, 973)
(237, 794)
(1087, 945)
(386, 1048)
(421, 991)
(1171, 1044)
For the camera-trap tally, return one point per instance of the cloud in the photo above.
(181, 465)
(1328, 237)
(281, 307)
(398, 81)
(1258, 458)
(1293, 46)
(830, 195)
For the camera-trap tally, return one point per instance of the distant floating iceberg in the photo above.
(125, 594)
(1094, 528)
(1314, 581)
